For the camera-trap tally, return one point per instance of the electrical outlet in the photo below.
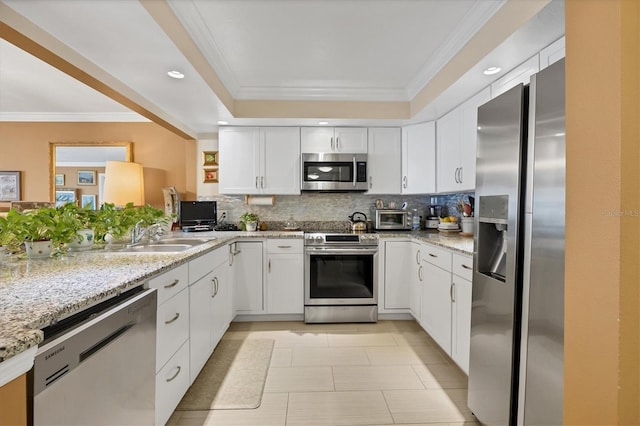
(222, 215)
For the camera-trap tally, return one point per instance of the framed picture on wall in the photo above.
(210, 158)
(60, 180)
(86, 177)
(9, 186)
(64, 196)
(88, 200)
(210, 175)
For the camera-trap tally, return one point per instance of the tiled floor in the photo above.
(386, 373)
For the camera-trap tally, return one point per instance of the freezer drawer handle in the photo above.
(173, 284)
(170, 379)
(174, 319)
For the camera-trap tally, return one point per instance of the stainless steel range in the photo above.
(341, 277)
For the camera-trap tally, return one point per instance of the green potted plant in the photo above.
(9, 242)
(249, 221)
(42, 230)
(81, 220)
(113, 225)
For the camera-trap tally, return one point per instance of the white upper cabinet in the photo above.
(520, 74)
(419, 159)
(351, 140)
(457, 137)
(258, 160)
(384, 160)
(552, 53)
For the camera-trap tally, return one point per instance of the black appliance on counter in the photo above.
(198, 215)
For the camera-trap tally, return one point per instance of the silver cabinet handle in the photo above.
(433, 255)
(284, 247)
(420, 273)
(173, 284)
(452, 292)
(332, 148)
(173, 319)
(269, 265)
(337, 143)
(418, 257)
(466, 267)
(215, 286)
(257, 179)
(460, 175)
(261, 181)
(370, 182)
(404, 182)
(170, 379)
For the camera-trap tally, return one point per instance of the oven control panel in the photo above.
(329, 239)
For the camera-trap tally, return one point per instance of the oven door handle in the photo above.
(338, 250)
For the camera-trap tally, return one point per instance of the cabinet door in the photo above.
(281, 161)
(316, 139)
(384, 160)
(172, 382)
(240, 165)
(448, 142)
(416, 281)
(436, 304)
(201, 339)
(172, 328)
(285, 283)
(219, 304)
(419, 159)
(350, 140)
(247, 268)
(398, 270)
(461, 322)
(469, 140)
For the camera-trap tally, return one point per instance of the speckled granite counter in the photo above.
(35, 293)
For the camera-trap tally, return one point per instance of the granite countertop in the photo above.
(35, 293)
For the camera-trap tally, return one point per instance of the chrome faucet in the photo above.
(139, 232)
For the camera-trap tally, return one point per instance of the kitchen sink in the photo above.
(166, 245)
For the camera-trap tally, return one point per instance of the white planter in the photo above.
(251, 226)
(467, 225)
(83, 240)
(38, 249)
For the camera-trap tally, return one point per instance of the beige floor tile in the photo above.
(299, 379)
(175, 417)
(337, 408)
(413, 338)
(282, 338)
(272, 412)
(404, 355)
(428, 406)
(281, 357)
(361, 339)
(376, 378)
(310, 356)
(441, 376)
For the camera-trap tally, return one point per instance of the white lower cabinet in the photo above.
(398, 272)
(247, 275)
(285, 276)
(461, 280)
(172, 382)
(172, 340)
(209, 315)
(436, 304)
(416, 281)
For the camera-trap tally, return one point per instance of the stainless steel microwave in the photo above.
(334, 172)
(392, 219)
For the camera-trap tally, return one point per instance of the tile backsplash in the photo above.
(318, 206)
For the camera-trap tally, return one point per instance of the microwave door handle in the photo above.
(355, 171)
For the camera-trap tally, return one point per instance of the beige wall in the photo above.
(602, 330)
(167, 158)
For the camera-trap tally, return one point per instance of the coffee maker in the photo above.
(433, 215)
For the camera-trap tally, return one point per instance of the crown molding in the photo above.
(325, 93)
(73, 117)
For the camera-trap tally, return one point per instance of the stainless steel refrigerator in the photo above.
(517, 317)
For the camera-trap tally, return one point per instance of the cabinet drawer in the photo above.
(436, 256)
(288, 245)
(172, 383)
(201, 266)
(172, 327)
(463, 266)
(170, 283)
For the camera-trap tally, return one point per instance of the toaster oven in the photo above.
(391, 219)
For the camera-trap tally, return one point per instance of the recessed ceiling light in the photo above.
(492, 70)
(323, 122)
(223, 122)
(175, 74)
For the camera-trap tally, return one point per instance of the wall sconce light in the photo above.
(123, 183)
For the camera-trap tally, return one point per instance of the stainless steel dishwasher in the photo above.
(98, 367)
